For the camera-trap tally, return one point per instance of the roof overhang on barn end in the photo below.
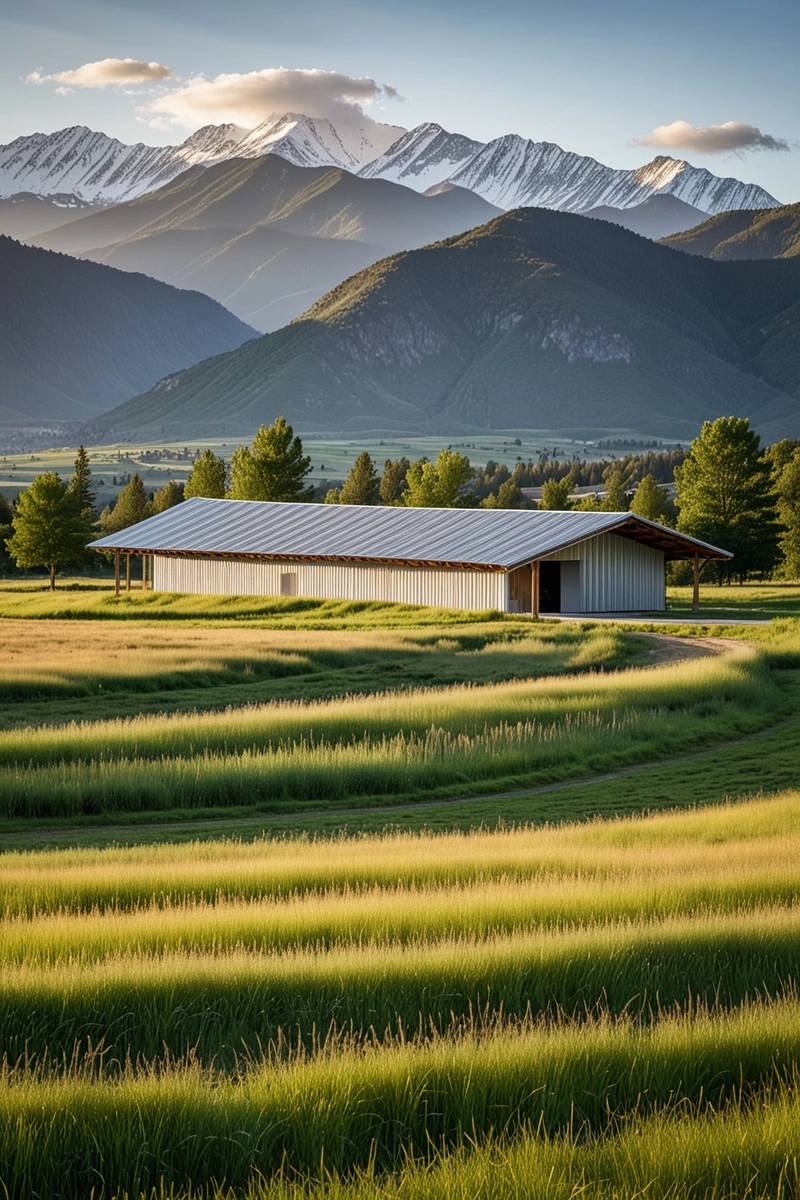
(482, 539)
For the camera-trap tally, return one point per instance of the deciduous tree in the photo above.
(507, 495)
(556, 493)
(208, 477)
(275, 468)
(651, 501)
(437, 485)
(788, 484)
(168, 496)
(50, 530)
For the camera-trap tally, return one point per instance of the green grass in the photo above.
(287, 758)
(604, 1008)
(747, 602)
(351, 1108)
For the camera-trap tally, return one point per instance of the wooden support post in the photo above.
(534, 589)
(696, 588)
(144, 572)
(127, 572)
(116, 572)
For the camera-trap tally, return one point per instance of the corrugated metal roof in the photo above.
(490, 538)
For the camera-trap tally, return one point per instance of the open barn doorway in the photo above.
(559, 587)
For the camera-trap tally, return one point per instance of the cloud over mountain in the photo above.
(105, 73)
(247, 99)
(711, 139)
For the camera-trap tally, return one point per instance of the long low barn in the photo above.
(511, 560)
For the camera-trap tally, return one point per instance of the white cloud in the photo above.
(247, 99)
(104, 73)
(711, 139)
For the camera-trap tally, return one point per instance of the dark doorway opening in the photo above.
(550, 587)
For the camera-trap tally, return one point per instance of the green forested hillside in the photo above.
(77, 338)
(744, 233)
(538, 319)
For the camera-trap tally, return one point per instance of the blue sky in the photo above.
(590, 77)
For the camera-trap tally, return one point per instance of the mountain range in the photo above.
(538, 319)
(508, 172)
(77, 338)
(264, 237)
(770, 233)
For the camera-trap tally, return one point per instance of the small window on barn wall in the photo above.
(289, 583)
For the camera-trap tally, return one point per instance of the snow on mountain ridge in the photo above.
(422, 157)
(514, 172)
(96, 168)
(510, 171)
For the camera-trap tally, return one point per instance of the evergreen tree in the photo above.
(556, 493)
(789, 515)
(208, 477)
(130, 508)
(437, 485)
(393, 480)
(6, 511)
(725, 497)
(80, 485)
(332, 496)
(168, 496)
(274, 469)
(362, 485)
(651, 501)
(507, 495)
(49, 529)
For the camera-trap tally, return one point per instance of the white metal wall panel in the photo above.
(436, 586)
(620, 575)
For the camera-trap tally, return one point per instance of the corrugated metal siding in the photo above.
(619, 575)
(434, 586)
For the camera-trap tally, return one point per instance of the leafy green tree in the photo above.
(362, 485)
(507, 495)
(651, 501)
(274, 469)
(168, 496)
(393, 480)
(556, 493)
(50, 530)
(725, 496)
(332, 496)
(789, 515)
(208, 477)
(130, 508)
(80, 485)
(6, 530)
(437, 485)
(615, 499)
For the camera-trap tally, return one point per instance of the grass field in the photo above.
(303, 902)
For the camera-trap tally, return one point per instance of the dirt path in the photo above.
(668, 649)
(665, 649)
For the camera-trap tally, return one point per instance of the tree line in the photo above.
(729, 492)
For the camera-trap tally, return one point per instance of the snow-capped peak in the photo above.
(422, 157)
